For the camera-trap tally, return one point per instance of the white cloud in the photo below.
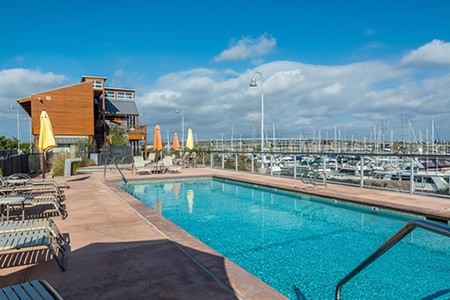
(297, 94)
(160, 98)
(333, 89)
(355, 96)
(247, 48)
(20, 83)
(436, 52)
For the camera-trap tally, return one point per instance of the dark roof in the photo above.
(68, 140)
(116, 106)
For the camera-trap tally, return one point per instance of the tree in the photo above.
(118, 136)
(25, 147)
(83, 147)
(6, 143)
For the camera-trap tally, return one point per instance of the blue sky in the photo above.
(350, 65)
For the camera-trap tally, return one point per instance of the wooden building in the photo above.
(86, 110)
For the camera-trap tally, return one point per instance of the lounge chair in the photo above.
(151, 158)
(183, 161)
(39, 180)
(47, 200)
(21, 184)
(32, 225)
(33, 237)
(193, 159)
(170, 167)
(139, 166)
(33, 200)
(36, 289)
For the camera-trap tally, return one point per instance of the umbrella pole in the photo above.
(43, 164)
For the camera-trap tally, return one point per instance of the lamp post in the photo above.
(31, 149)
(18, 128)
(253, 84)
(182, 125)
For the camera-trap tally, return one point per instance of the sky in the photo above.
(359, 69)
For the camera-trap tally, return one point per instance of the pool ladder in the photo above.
(117, 167)
(313, 179)
(399, 235)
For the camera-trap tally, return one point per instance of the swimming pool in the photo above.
(303, 245)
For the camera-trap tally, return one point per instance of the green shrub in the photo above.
(85, 162)
(84, 147)
(57, 162)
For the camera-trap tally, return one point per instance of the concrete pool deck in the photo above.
(121, 248)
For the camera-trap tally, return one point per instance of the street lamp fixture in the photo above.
(180, 107)
(18, 128)
(253, 84)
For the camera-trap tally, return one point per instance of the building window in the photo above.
(122, 95)
(98, 84)
(110, 94)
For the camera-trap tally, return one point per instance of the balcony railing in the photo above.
(135, 129)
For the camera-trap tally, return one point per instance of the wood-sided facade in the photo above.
(81, 110)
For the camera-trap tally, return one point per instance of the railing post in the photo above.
(223, 160)
(253, 167)
(271, 164)
(212, 160)
(361, 173)
(236, 162)
(411, 175)
(437, 166)
(295, 166)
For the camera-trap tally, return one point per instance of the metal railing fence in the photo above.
(366, 168)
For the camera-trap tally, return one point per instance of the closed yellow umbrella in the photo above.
(190, 140)
(157, 141)
(176, 143)
(46, 138)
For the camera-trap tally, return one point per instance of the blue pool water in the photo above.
(303, 245)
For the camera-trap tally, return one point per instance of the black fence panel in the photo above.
(35, 163)
(14, 164)
(4, 152)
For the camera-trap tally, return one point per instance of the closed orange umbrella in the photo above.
(175, 144)
(157, 141)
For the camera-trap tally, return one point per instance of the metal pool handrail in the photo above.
(117, 167)
(313, 179)
(405, 230)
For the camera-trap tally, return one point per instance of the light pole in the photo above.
(182, 125)
(18, 128)
(253, 84)
(31, 149)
